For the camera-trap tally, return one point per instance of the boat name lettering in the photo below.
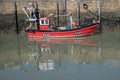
(77, 33)
(46, 35)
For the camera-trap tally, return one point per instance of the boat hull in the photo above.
(64, 33)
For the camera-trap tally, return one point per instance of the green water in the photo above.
(88, 58)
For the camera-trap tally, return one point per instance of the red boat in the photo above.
(42, 27)
(45, 30)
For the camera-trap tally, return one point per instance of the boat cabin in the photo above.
(45, 23)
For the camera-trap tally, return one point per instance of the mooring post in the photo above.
(78, 11)
(16, 18)
(64, 8)
(99, 10)
(99, 13)
(57, 12)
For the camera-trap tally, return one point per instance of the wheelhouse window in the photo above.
(42, 21)
(46, 22)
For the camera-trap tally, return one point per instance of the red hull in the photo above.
(88, 30)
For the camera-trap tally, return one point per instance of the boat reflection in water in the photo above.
(49, 53)
(54, 54)
(39, 58)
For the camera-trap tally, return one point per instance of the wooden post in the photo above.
(99, 10)
(64, 2)
(64, 5)
(78, 11)
(57, 12)
(16, 18)
(99, 13)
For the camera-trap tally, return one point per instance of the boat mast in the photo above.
(71, 20)
(32, 14)
(32, 10)
(24, 9)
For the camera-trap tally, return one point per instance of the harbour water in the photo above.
(94, 57)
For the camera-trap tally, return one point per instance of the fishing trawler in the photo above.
(42, 26)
